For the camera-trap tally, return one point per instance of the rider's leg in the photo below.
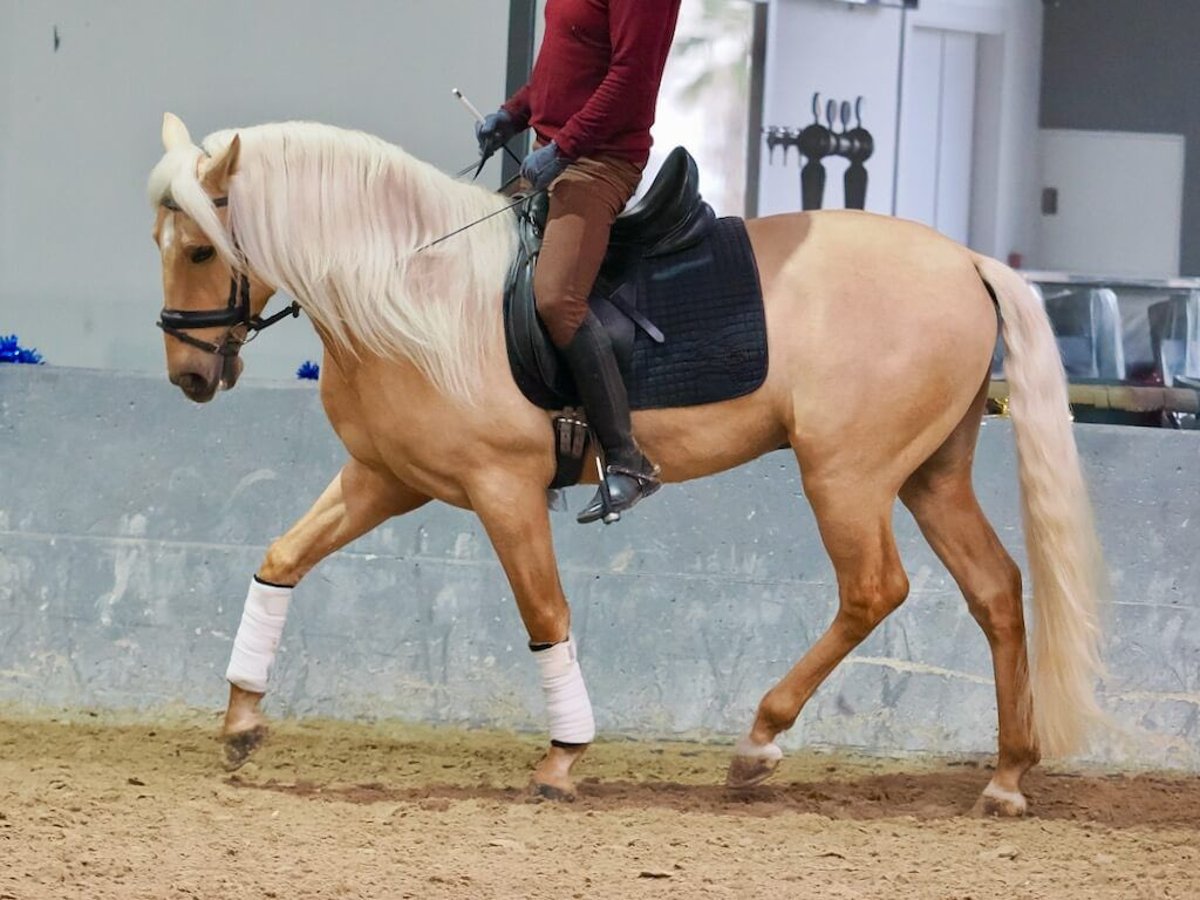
(584, 202)
(629, 474)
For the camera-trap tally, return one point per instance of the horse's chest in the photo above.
(422, 450)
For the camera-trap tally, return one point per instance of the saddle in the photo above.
(678, 293)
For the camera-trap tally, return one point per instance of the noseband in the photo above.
(177, 322)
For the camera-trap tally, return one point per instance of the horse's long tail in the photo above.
(1066, 562)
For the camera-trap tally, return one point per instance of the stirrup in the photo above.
(620, 489)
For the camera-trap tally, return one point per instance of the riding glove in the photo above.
(496, 130)
(542, 166)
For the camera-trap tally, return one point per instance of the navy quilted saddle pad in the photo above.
(688, 327)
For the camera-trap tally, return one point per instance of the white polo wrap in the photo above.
(567, 703)
(258, 636)
(768, 752)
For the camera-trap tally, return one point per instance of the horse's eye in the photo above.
(202, 254)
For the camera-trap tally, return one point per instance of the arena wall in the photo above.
(131, 521)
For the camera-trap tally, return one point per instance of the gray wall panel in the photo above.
(131, 520)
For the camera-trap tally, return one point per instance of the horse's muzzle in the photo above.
(196, 387)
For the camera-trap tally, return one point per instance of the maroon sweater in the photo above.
(595, 83)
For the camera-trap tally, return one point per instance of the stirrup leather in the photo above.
(642, 476)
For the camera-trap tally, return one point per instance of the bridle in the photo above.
(177, 322)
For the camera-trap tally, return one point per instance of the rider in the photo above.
(590, 101)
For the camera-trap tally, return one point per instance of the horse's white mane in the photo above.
(334, 219)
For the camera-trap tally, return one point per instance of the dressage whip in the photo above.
(474, 111)
(478, 167)
(490, 215)
(516, 202)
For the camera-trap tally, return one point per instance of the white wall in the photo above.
(936, 135)
(1005, 188)
(1119, 203)
(79, 132)
(844, 51)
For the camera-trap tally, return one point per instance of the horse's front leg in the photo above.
(517, 521)
(358, 499)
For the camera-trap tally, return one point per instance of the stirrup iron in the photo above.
(603, 507)
(611, 516)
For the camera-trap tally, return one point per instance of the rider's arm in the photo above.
(640, 32)
(517, 106)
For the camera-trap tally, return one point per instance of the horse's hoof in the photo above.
(551, 777)
(239, 747)
(998, 803)
(752, 764)
(539, 790)
(747, 772)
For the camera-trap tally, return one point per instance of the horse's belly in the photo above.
(694, 441)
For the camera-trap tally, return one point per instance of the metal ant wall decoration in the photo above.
(815, 142)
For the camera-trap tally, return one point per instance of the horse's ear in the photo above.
(222, 168)
(174, 132)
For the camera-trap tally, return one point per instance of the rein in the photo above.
(521, 199)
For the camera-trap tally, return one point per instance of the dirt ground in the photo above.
(99, 808)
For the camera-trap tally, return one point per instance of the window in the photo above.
(704, 103)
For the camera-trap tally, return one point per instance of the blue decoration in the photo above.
(12, 352)
(309, 371)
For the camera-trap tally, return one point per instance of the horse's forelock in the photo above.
(174, 183)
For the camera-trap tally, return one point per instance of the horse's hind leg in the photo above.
(358, 499)
(942, 500)
(857, 533)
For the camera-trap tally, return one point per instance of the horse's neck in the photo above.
(441, 191)
(364, 372)
(436, 298)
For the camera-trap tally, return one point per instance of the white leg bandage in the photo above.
(258, 636)
(767, 752)
(567, 703)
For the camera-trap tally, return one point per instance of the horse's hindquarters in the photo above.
(880, 333)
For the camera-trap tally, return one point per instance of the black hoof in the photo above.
(539, 791)
(241, 746)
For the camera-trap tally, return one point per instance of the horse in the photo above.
(416, 384)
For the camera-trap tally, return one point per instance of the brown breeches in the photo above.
(584, 202)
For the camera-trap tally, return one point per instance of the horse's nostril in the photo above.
(191, 383)
(196, 387)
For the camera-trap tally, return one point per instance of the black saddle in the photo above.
(671, 217)
(678, 293)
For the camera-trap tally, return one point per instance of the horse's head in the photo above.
(211, 300)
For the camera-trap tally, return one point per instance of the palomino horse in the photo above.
(416, 383)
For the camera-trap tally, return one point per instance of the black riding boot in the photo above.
(629, 475)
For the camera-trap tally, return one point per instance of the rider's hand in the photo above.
(542, 166)
(496, 130)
